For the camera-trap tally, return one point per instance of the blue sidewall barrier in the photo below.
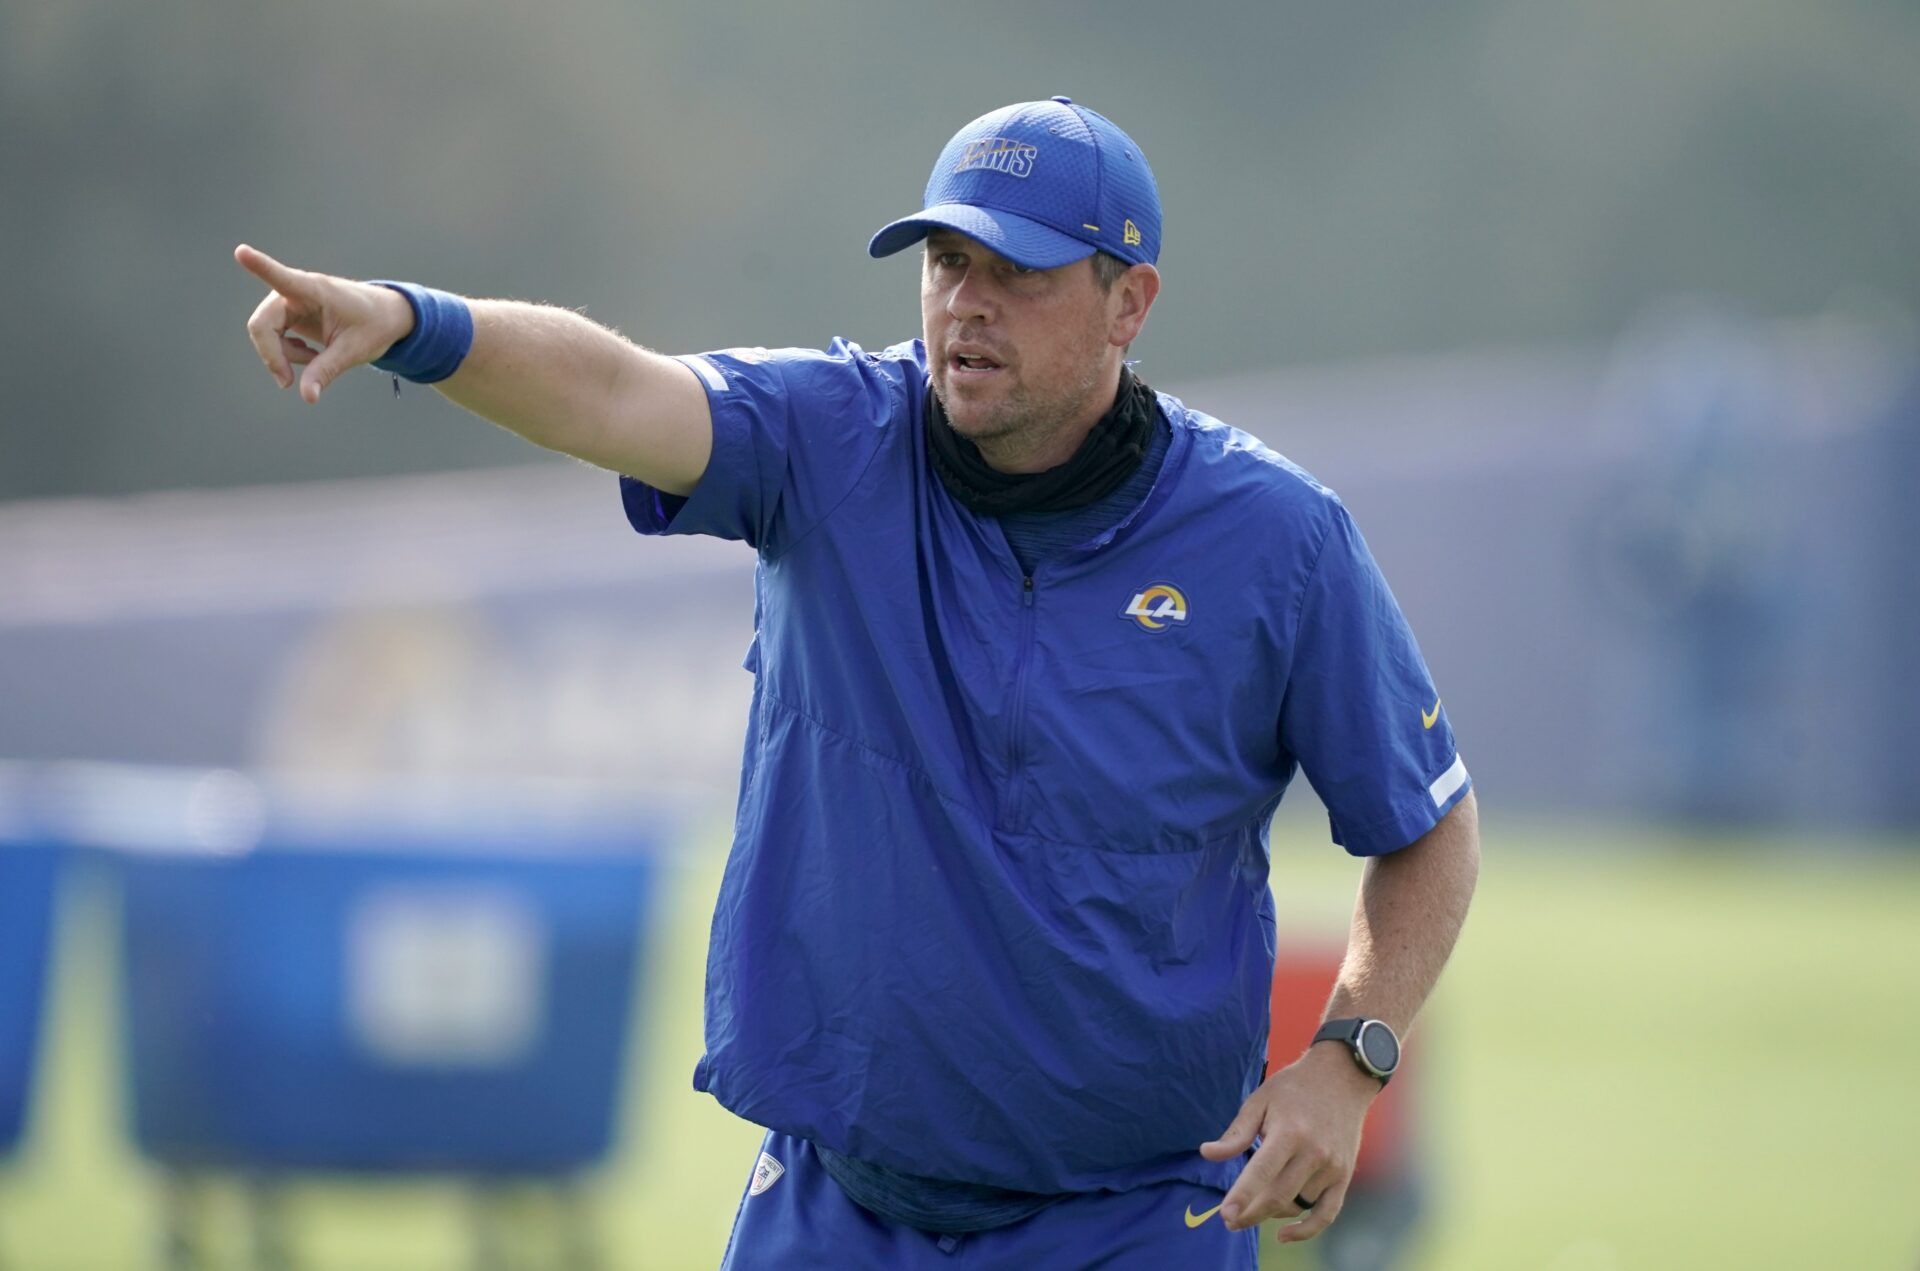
(28, 870)
(241, 979)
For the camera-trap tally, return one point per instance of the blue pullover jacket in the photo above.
(997, 906)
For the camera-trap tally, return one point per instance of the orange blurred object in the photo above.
(1302, 980)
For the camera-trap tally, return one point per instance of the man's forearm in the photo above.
(1409, 912)
(569, 384)
(1306, 1117)
(548, 374)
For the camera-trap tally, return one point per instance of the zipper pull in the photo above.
(1026, 590)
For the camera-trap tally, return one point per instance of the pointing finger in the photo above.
(288, 282)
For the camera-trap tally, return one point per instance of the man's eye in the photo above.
(949, 260)
(1016, 268)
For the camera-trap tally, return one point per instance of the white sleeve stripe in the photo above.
(709, 373)
(1447, 783)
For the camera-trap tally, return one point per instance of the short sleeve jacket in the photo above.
(997, 905)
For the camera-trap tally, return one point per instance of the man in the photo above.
(1037, 651)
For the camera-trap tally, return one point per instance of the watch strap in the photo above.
(1348, 1031)
(1340, 1030)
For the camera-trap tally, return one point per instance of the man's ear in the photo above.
(1133, 295)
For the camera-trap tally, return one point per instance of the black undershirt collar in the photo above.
(1111, 452)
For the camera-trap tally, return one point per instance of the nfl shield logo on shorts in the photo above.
(766, 1172)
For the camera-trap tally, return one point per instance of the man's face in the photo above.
(1011, 349)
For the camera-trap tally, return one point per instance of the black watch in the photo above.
(1372, 1043)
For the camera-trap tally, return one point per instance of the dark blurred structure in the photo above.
(1673, 581)
(1340, 181)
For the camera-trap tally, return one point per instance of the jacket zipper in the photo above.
(1017, 715)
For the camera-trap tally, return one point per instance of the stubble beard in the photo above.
(1020, 423)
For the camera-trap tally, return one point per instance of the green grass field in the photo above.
(1646, 1054)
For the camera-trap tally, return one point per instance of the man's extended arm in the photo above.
(549, 374)
(1308, 1115)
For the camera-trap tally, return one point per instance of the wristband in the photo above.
(441, 337)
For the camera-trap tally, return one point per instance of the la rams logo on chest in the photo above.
(1158, 607)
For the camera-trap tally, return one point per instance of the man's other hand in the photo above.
(328, 325)
(1307, 1117)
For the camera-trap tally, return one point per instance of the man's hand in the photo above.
(1308, 1118)
(340, 323)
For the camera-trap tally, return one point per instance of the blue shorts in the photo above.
(794, 1215)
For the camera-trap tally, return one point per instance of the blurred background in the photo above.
(364, 782)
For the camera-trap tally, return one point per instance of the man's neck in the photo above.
(1034, 450)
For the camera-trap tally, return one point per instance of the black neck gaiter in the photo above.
(1113, 449)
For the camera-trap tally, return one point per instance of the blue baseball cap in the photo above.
(1042, 183)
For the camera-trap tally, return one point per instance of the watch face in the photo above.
(1378, 1045)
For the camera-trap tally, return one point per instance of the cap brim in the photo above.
(1020, 240)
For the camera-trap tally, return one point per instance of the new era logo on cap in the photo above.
(1079, 185)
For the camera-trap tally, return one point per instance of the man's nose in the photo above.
(971, 299)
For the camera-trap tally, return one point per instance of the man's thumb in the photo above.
(333, 361)
(1238, 1138)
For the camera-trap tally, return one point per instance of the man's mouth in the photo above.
(971, 365)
